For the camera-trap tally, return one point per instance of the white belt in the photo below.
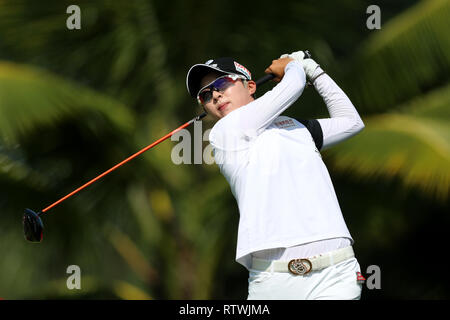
(304, 265)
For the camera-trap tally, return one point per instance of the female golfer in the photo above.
(292, 236)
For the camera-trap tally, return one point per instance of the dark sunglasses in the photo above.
(220, 84)
(32, 226)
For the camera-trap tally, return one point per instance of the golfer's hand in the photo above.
(298, 55)
(309, 65)
(277, 68)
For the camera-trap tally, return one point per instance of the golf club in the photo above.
(32, 223)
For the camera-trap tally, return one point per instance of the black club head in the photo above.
(32, 226)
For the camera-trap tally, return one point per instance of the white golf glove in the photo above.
(309, 65)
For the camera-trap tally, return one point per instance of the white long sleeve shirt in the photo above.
(284, 192)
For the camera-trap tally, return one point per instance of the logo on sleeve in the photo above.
(285, 123)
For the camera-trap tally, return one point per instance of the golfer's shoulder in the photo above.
(218, 128)
(221, 129)
(230, 134)
(227, 123)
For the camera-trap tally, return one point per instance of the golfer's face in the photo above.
(222, 103)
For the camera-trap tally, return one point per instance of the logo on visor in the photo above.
(241, 68)
(210, 63)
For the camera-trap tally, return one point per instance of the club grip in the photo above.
(270, 76)
(264, 79)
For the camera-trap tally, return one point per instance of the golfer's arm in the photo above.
(257, 115)
(344, 121)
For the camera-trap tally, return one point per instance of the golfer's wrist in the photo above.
(292, 64)
(317, 73)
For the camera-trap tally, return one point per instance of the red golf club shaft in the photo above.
(122, 163)
(258, 82)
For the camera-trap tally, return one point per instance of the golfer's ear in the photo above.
(251, 85)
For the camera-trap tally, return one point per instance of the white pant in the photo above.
(337, 282)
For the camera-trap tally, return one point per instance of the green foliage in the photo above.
(404, 67)
(413, 145)
(408, 56)
(74, 103)
(33, 97)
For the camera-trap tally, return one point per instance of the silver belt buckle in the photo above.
(300, 266)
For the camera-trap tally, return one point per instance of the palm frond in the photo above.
(15, 169)
(131, 254)
(128, 291)
(31, 97)
(409, 55)
(414, 146)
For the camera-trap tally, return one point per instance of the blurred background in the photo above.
(73, 103)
